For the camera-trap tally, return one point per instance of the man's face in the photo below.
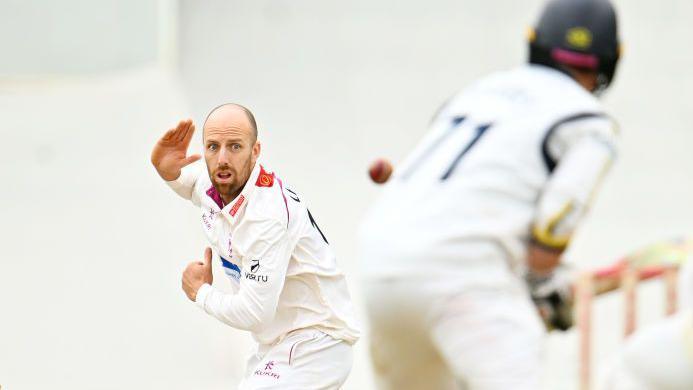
(231, 150)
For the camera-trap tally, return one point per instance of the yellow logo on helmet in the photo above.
(579, 38)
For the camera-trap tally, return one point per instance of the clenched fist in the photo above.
(196, 274)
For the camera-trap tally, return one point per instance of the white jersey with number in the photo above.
(518, 154)
(283, 272)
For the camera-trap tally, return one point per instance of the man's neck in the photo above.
(230, 197)
(587, 80)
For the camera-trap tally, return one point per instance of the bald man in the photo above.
(287, 288)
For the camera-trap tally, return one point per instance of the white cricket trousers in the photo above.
(427, 335)
(305, 359)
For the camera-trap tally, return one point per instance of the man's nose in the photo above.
(223, 159)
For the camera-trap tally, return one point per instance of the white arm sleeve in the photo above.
(584, 151)
(185, 184)
(262, 281)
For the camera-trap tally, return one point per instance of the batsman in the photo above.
(472, 225)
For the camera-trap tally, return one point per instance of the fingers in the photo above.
(191, 267)
(208, 257)
(168, 135)
(189, 133)
(190, 159)
(186, 285)
(182, 129)
(180, 132)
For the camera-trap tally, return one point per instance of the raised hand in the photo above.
(169, 154)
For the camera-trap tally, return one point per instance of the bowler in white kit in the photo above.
(287, 288)
(473, 222)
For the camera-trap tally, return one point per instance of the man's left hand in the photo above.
(196, 274)
(553, 296)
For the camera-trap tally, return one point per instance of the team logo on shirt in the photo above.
(255, 265)
(264, 179)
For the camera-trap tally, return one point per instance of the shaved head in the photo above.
(231, 148)
(229, 109)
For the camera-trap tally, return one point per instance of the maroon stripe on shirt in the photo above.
(281, 188)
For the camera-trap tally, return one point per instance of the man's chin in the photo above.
(224, 189)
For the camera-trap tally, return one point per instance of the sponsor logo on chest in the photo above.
(237, 205)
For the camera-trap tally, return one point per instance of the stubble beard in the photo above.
(230, 191)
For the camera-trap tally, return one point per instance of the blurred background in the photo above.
(93, 243)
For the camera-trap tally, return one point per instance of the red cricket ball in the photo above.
(380, 170)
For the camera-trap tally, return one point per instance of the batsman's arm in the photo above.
(587, 151)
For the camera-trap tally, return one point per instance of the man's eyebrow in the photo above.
(226, 140)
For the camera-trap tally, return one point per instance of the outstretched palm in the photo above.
(169, 154)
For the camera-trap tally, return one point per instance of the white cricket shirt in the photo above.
(283, 272)
(517, 154)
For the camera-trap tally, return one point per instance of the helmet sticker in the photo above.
(579, 38)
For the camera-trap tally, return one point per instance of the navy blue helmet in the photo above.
(582, 34)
